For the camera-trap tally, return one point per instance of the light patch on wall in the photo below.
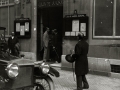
(34, 29)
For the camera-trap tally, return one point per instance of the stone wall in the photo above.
(29, 10)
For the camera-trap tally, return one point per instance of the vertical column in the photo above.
(33, 44)
(41, 25)
(23, 8)
(28, 9)
(17, 10)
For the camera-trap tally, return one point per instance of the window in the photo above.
(3, 2)
(106, 22)
(7, 15)
(117, 18)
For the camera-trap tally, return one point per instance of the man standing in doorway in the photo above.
(46, 38)
(47, 42)
(81, 63)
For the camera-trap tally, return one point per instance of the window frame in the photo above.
(114, 22)
(8, 4)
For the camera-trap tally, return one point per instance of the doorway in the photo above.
(51, 17)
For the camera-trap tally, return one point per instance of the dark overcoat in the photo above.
(13, 45)
(81, 63)
(12, 42)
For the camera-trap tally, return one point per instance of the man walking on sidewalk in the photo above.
(81, 63)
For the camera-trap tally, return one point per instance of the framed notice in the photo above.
(67, 33)
(73, 33)
(82, 27)
(17, 27)
(27, 26)
(75, 25)
(22, 28)
(22, 31)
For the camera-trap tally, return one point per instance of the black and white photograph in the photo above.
(59, 45)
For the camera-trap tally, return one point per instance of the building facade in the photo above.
(103, 28)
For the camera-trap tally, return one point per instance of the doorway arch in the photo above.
(50, 14)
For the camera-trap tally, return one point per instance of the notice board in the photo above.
(74, 25)
(22, 28)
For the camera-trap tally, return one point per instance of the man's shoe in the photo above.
(85, 87)
(78, 89)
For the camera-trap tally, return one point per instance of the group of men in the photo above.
(81, 50)
(13, 45)
(81, 63)
(47, 42)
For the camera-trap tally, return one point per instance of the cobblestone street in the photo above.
(96, 82)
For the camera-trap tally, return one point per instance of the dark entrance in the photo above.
(51, 17)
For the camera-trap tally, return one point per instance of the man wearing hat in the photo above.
(13, 44)
(81, 63)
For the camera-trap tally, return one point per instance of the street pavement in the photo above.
(96, 82)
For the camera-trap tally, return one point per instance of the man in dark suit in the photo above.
(81, 63)
(13, 44)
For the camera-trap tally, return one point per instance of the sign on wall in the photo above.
(22, 28)
(49, 3)
(74, 25)
(4, 2)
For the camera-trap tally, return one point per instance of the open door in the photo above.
(51, 17)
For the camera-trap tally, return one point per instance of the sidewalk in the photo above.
(96, 82)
